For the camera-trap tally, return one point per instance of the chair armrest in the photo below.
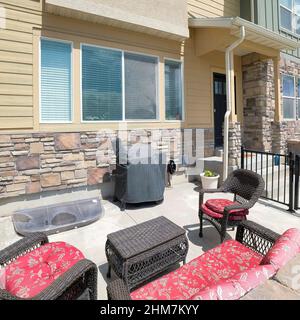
(256, 237)
(22, 246)
(85, 269)
(238, 206)
(117, 290)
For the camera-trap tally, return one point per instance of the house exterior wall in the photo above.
(16, 62)
(213, 8)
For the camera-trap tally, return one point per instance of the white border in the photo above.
(157, 120)
(40, 80)
(182, 89)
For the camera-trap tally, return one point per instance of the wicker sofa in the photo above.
(227, 272)
(34, 269)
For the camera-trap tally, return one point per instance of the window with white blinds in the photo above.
(113, 81)
(101, 84)
(140, 87)
(173, 90)
(56, 81)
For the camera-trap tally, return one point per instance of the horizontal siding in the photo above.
(16, 63)
(11, 123)
(214, 8)
(11, 111)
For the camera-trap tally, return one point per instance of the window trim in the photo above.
(294, 98)
(182, 91)
(157, 69)
(40, 80)
(293, 31)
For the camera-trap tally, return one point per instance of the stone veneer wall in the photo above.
(235, 145)
(260, 130)
(38, 162)
(259, 102)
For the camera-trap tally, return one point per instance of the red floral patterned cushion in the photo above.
(237, 286)
(32, 273)
(218, 205)
(284, 249)
(215, 215)
(220, 263)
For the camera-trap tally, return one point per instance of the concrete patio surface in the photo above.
(180, 206)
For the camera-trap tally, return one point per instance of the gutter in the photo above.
(230, 95)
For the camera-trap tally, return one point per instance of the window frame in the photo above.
(182, 90)
(40, 80)
(294, 98)
(292, 32)
(157, 71)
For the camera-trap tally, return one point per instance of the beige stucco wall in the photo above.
(158, 17)
(214, 8)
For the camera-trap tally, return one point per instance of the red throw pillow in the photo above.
(284, 249)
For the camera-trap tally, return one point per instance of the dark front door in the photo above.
(220, 106)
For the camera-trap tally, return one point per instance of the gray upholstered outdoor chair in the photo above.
(246, 186)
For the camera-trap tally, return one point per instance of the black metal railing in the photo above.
(280, 172)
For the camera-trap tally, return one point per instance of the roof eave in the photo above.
(233, 22)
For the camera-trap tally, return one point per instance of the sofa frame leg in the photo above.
(108, 274)
(201, 224)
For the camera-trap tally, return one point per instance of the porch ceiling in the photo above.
(257, 37)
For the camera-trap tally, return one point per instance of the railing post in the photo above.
(242, 158)
(291, 181)
(297, 172)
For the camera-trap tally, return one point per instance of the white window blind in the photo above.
(56, 81)
(101, 84)
(140, 87)
(173, 90)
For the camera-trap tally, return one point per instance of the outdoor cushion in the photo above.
(215, 215)
(284, 249)
(238, 285)
(30, 274)
(218, 205)
(217, 264)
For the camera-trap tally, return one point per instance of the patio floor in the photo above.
(180, 206)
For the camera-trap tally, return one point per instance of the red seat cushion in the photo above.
(219, 263)
(32, 273)
(284, 249)
(216, 215)
(218, 205)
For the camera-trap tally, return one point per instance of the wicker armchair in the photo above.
(77, 283)
(247, 186)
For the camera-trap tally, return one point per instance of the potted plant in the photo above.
(209, 179)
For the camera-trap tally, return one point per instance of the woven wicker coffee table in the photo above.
(139, 253)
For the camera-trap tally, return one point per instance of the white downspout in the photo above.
(230, 94)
